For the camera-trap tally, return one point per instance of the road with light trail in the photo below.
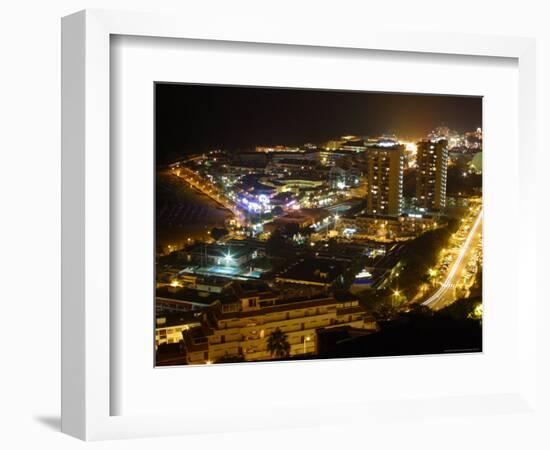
(446, 292)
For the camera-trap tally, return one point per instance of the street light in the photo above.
(175, 283)
(307, 339)
(228, 258)
(395, 295)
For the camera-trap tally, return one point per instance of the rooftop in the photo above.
(236, 248)
(193, 296)
(385, 146)
(179, 318)
(390, 217)
(314, 270)
(283, 305)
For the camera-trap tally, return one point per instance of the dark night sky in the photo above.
(193, 118)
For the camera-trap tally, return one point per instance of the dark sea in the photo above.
(182, 212)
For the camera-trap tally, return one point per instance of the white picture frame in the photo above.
(86, 246)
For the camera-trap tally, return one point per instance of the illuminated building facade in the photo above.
(431, 179)
(386, 227)
(385, 179)
(242, 331)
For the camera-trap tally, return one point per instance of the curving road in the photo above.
(445, 294)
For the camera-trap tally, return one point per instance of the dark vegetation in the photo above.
(280, 242)
(457, 184)
(418, 332)
(420, 255)
(218, 233)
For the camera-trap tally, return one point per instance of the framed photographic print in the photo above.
(362, 240)
(316, 226)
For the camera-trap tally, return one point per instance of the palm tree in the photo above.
(277, 344)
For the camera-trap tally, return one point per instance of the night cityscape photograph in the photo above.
(303, 224)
